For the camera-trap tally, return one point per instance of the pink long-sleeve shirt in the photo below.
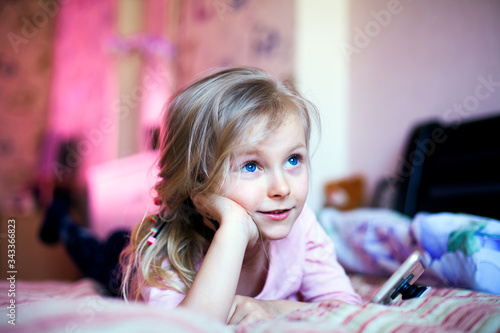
(303, 266)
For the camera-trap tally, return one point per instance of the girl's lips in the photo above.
(277, 215)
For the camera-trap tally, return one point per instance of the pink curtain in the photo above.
(83, 98)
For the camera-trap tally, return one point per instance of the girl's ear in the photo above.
(212, 224)
(199, 201)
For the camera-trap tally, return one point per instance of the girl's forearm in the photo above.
(215, 284)
(248, 310)
(285, 306)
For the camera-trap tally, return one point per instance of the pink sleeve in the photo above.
(324, 278)
(164, 297)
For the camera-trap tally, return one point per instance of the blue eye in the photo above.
(293, 161)
(250, 167)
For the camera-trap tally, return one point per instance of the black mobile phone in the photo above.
(401, 283)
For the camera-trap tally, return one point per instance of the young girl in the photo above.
(234, 239)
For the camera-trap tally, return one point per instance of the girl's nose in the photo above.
(278, 186)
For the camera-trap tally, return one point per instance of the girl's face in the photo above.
(271, 179)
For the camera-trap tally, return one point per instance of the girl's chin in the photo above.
(275, 232)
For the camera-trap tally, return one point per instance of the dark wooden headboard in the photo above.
(451, 168)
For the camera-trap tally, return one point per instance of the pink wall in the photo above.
(25, 69)
(415, 60)
(215, 33)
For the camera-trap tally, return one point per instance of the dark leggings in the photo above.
(95, 259)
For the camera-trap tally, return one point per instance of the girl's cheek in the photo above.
(300, 171)
(303, 185)
(245, 194)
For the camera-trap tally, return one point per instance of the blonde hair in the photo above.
(204, 124)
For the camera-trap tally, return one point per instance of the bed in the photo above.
(464, 297)
(80, 307)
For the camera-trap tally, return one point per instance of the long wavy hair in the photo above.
(203, 126)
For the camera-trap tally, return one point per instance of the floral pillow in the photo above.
(462, 250)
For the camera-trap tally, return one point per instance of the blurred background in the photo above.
(83, 82)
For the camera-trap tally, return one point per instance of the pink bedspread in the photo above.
(78, 307)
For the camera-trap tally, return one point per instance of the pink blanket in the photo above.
(78, 307)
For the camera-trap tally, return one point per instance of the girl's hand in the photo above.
(217, 279)
(219, 211)
(246, 310)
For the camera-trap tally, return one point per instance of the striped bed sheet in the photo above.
(79, 307)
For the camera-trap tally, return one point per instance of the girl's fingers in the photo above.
(217, 209)
(247, 310)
